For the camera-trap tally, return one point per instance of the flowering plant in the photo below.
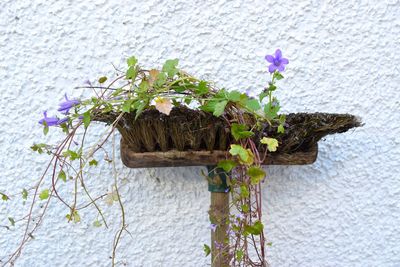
(137, 90)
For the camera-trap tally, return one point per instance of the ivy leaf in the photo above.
(278, 75)
(102, 79)
(12, 221)
(170, 67)
(24, 194)
(126, 106)
(281, 129)
(256, 174)
(44, 194)
(227, 165)
(62, 176)
(206, 249)
(245, 155)
(161, 79)
(234, 96)
(244, 192)
(239, 255)
(272, 87)
(240, 131)
(93, 162)
(255, 229)
(71, 154)
(262, 96)
(253, 104)
(131, 61)
(271, 143)
(202, 88)
(131, 72)
(86, 119)
(220, 108)
(97, 223)
(271, 109)
(4, 197)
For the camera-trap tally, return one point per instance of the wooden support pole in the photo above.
(219, 210)
(219, 216)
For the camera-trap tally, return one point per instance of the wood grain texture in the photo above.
(175, 158)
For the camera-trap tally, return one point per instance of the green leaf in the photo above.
(38, 148)
(62, 176)
(278, 75)
(170, 67)
(86, 119)
(126, 106)
(281, 129)
(161, 79)
(74, 216)
(262, 96)
(102, 79)
(220, 108)
(271, 110)
(97, 223)
(256, 174)
(245, 208)
(24, 194)
(12, 221)
(131, 61)
(239, 255)
(253, 104)
(4, 197)
(139, 106)
(271, 143)
(45, 128)
(272, 87)
(240, 131)
(245, 155)
(72, 154)
(244, 191)
(202, 88)
(234, 96)
(255, 229)
(227, 165)
(206, 249)
(131, 72)
(93, 162)
(44, 194)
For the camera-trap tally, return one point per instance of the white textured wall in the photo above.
(344, 210)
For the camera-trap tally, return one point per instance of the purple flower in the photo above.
(62, 121)
(65, 106)
(213, 227)
(50, 121)
(277, 61)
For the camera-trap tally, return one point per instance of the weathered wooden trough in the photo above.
(195, 138)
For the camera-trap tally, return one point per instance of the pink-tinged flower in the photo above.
(50, 121)
(164, 105)
(67, 105)
(277, 61)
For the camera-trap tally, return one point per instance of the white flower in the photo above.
(164, 105)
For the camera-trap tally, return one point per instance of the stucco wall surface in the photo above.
(344, 210)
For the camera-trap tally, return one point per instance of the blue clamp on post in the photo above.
(217, 180)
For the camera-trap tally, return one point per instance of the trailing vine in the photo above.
(135, 91)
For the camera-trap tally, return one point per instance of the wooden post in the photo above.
(219, 238)
(219, 216)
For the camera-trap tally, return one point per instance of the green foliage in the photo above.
(219, 108)
(44, 194)
(245, 155)
(240, 131)
(207, 249)
(24, 194)
(253, 104)
(62, 176)
(4, 197)
(255, 229)
(12, 221)
(131, 61)
(170, 67)
(256, 174)
(86, 118)
(93, 162)
(102, 79)
(272, 143)
(72, 155)
(227, 165)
